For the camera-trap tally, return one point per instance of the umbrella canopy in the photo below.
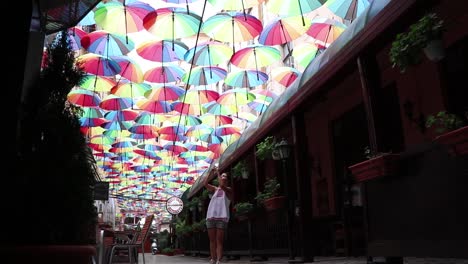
(176, 22)
(129, 69)
(232, 27)
(283, 30)
(98, 65)
(164, 74)
(235, 5)
(304, 53)
(285, 75)
(107, 44)
(97, 83)
(162, 50)
(293, 7)
(208, 54)
(325, 30)
(255, 56)
(122, 18)
(347, 9)
(204, 75)
(246, 78)
(166, 92)
(84, 98)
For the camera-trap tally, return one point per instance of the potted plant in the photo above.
(265, 148)
(58, 171)
(242, 210)
(240, 170)
(376, 166)
(424, 35)
(270, 198)
(451, 130)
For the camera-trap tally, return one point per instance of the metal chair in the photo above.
(137, 242)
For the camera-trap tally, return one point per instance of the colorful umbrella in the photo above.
(236, 97)
(164, 74)
(285, 75)
(83, 98)
(98, 65)
(199, 96)
(122, 18)
(166, 92)
(176, 22)
(246, 78)
(162, 50)
(347, 9)
(235, 5)
(87, 20)
(107, 44)
(204, 75)
(215, 120)
(130, 89)
(97, 83)
(115, 103)
(130, 69)
(283, 30)
(255, 56)
(304, 53)
(208, 54)
(216, 108)
(232, 27)
(293, 7)
(187, 109)
(121, 115)
(325, 30)
(154, 106)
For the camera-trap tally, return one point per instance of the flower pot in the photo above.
(434, 50)
(274, 203)
(456, 141)
(386, 164)
(245, 174)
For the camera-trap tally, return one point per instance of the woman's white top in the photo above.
(218, 209)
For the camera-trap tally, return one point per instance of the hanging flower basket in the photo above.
(379, 166)
(456, 141)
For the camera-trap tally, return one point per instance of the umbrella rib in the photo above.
(300, 10)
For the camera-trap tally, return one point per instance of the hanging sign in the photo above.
(174, 205)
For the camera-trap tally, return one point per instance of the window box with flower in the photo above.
(377, 165)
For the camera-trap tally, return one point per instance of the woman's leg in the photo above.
(212, 233)
(219, 243)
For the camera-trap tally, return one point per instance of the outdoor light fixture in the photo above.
(284, 149)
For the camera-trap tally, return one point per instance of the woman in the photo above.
(217, 216)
